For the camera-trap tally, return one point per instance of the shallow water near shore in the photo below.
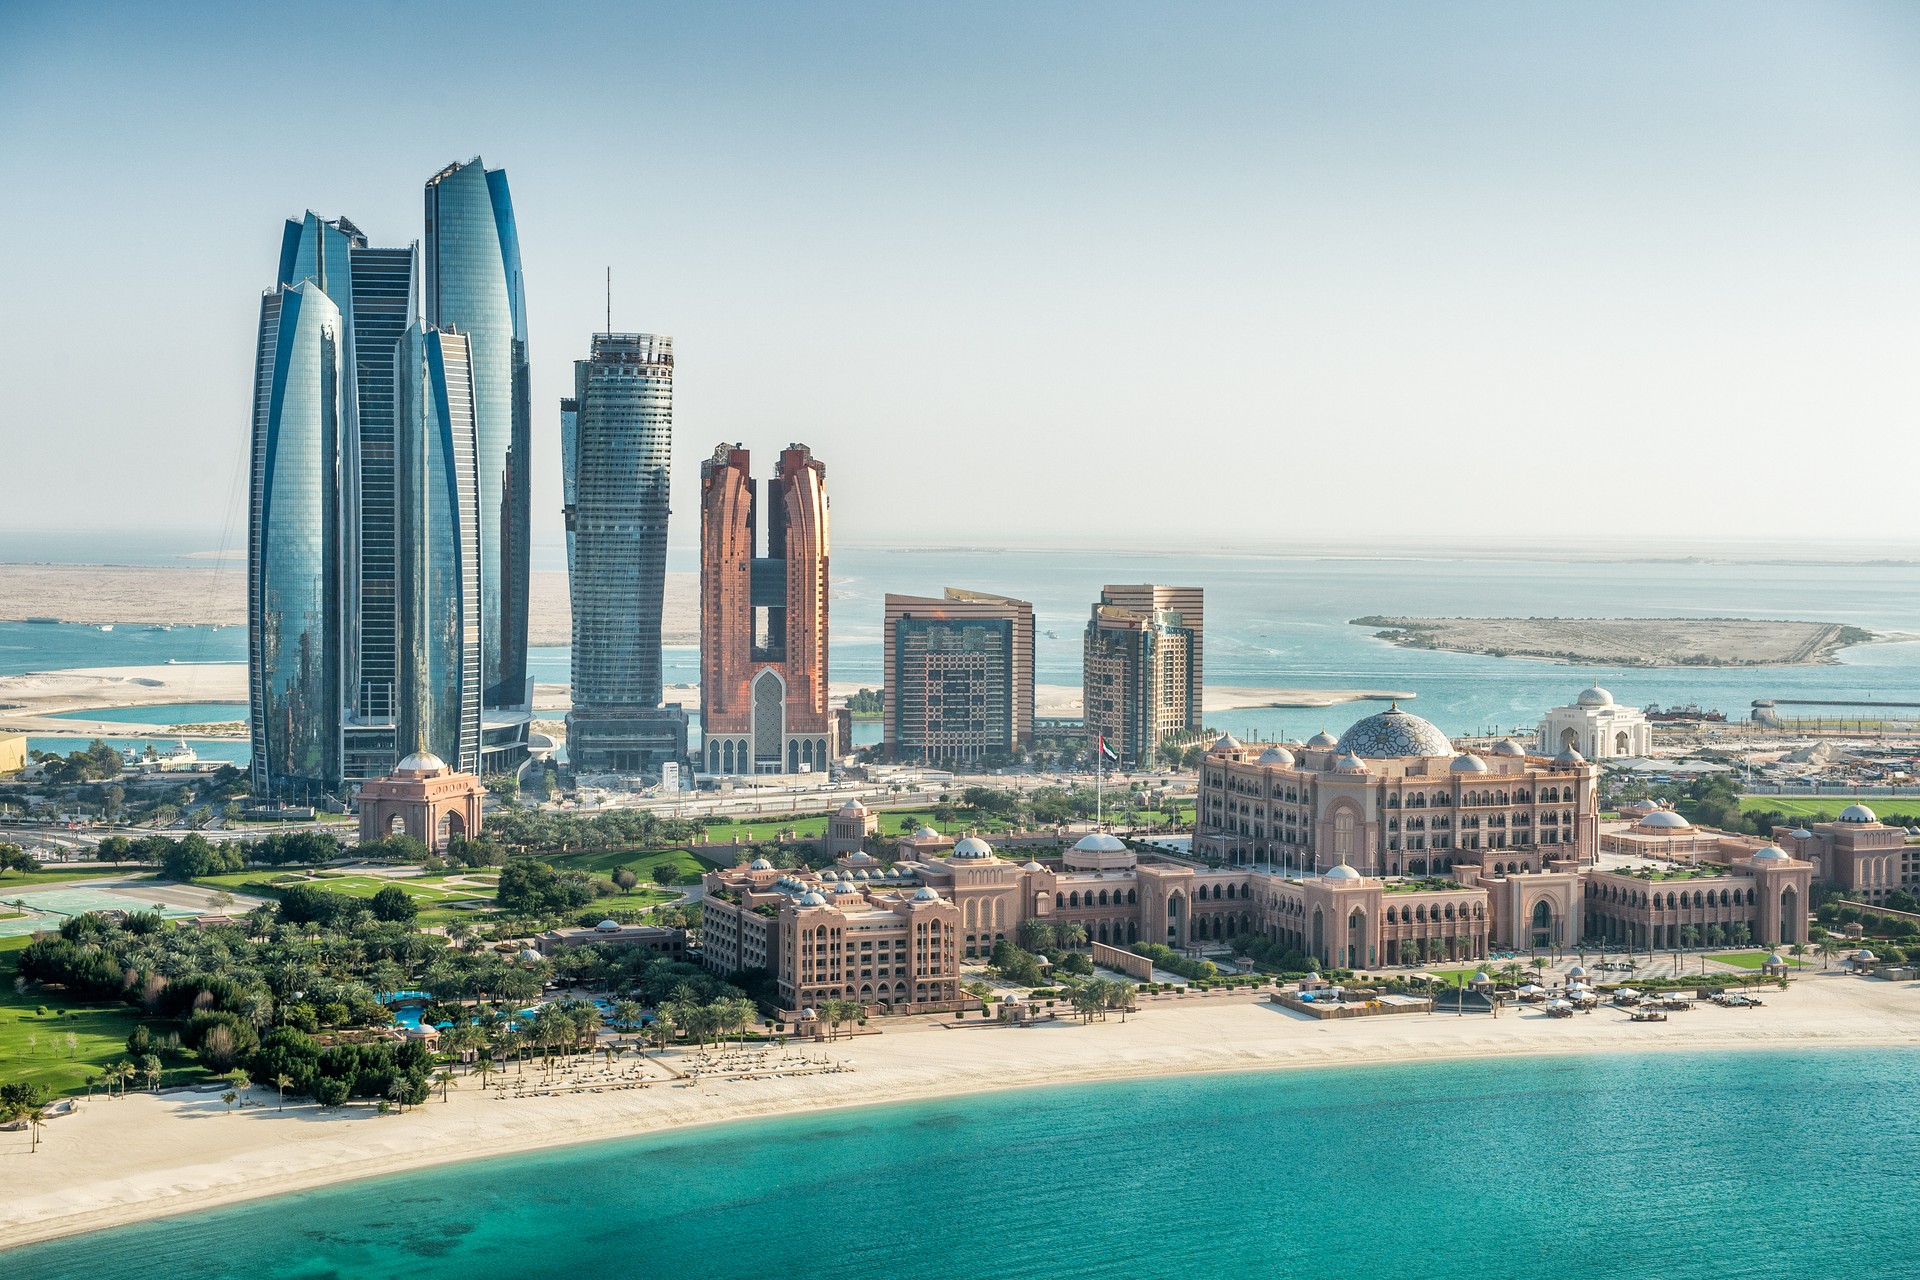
(1755, 1164)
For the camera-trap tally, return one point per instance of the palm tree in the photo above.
(150, 1068)
(445, 1079)
(281, 1082)
(36, 1118)
(485, 1067)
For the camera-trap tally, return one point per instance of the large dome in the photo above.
(1100, 842)
(971, 847)
(1595, 697)
(1394, 733)
(1663, 820)
(1857, 813)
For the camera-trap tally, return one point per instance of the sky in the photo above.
(1212, 275)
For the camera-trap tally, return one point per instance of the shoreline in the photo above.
(141, 1157)
(1642, 644)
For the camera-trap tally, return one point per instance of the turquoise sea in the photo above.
(1284, 622)
(1606, 1167)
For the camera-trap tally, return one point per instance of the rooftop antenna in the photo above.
(609, 301)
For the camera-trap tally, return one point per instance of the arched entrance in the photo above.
(1542, 925)
(1319, 936)
(1569, 739)
(1789, 915)
(1359, 955)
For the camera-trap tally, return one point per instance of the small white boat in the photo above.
(105, 626)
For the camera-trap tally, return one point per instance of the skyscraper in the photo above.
(473, 284)
(957, 676)
(1141, 667)
(763, 619)
(616, 455)
(335, 497)
(374, 289)
(294, 544)
(439, 548)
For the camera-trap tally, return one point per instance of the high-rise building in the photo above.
(763, 618)
(345, 538)
(294, 544)
(438, 541)
(471, 260)
(374, 289)
(616, 455)
(958, 676)
(1140, 669)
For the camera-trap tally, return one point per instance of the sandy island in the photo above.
(1628, 642)
(145, 1156)
(28, 702)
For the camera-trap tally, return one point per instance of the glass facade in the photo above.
(617, 445)
(293, 544)
(473, 285)
(440, 549)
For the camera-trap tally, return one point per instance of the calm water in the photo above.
(1284, 622)
(168, 713)
(227, 750)
(1596, 1168)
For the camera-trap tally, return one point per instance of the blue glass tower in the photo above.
(440, 548)
(294, 544)
(374, 289)
(472, 284)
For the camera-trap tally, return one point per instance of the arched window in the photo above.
(1073, 899)
(1103, 897)
(1132, 899)
(1060, 901)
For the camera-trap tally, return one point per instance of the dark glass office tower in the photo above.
(294, 628)
(374, 289)
(472, 284)
(617, 447)
(440, 557)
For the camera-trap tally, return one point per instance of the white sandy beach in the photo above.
(144, 1156)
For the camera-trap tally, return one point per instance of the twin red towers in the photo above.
(763, 617)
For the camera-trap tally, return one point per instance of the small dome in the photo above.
(1774, 957)
(1801, 833)
(845, 887)
(1342, 872)
(925, 893)
(1857, 813)
(1225, 742)
(531, 956)
(926, 833)
(760, 864)
(1101, 842)
(1276, 755)
(853, 807)
(1595, 697)
(1394, 734)
(1508, 747)
(862, 874)
(972, 847)
(1569, 756)
(1864, 954)
(422, 762)
(1031, 866)
(1663, 820)
(860, 858)
(811, 898)
(1349, 763)
(1480, 979)
(1469, 763)
(807, 1014)
(608, 926)
(1772, 853)
(1576, 972)
(1322, 740)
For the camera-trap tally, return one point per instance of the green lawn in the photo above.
(1885, 807)
(604, 862)
(12, 882)
(36, 1048)
(1753, 960)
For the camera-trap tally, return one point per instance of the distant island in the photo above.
(1627, 642)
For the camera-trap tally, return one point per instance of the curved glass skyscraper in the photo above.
(473, 284)
(439, 548)
(293, 537)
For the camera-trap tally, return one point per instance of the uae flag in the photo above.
(1107, 751)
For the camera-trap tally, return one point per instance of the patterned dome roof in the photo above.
(1595, 697)
(1394, 733)
(971, 847)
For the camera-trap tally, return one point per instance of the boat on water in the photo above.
(161, 626)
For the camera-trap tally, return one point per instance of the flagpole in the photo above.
(1099, 781)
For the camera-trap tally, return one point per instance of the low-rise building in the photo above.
(612, 933)
(1597, 727)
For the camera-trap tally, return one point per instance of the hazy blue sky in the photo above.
(1205, 273)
